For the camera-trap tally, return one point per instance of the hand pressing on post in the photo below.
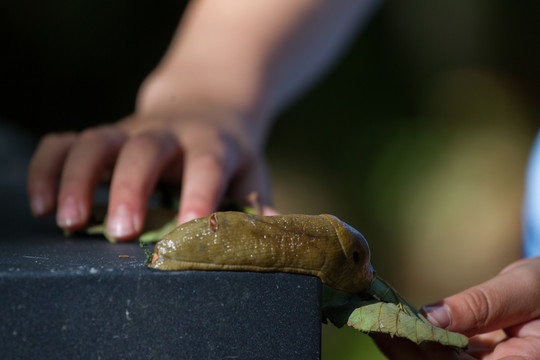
(203, 147)
(202, 115)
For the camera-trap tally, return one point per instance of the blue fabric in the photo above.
(531, 210)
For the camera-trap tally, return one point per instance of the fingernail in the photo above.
(37, 205)
(122, 223)
(438, 315)
(68, 214)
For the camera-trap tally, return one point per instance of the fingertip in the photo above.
(44, 172)
(71, 214)
(205, 178)
(481, 308)
(40, 205)
(194, 205)
(123, 224)
(269, 211)
(41, 196)
(186, 216)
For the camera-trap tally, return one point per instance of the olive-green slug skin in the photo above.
(319, 245)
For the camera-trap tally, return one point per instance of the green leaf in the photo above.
(391, 319)
(156, 235)
(159, 222)
(338, 305)
(147, 252)
(381, 309)
(383, 291)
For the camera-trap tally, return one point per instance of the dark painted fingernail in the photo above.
(438, 314)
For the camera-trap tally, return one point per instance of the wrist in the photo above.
(194, 96)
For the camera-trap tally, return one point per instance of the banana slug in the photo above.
(319, 245)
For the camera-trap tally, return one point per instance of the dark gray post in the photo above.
(83, 298)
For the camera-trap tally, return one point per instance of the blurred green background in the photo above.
(418, 137)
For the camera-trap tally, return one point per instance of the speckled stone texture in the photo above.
(82, 298)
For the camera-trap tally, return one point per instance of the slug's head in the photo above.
(357, 273)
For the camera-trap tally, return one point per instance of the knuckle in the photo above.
(105, 134)
(477, 303)
(528, 277)
(195, 134)
(198, 202)
(92, 135)
(143, 141)
(525, 275)
(516, 265)
(155, 141)
(133, 194)
(210, 132)
(125, 190)
(52, 139)
(211, 159)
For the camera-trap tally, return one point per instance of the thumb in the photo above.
(510, 298)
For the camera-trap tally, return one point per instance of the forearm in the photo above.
(253, 56)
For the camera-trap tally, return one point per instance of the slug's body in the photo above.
(319, 245)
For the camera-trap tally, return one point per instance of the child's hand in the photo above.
(201, 116)
(203, 146)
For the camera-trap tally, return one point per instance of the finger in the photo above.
(206, 174)
(269, 211)
(483, 344)
(529, 328)
(523, 343)
(94, 151)
(520, 348)
(508, 299)
(138, 168)
(45, 169)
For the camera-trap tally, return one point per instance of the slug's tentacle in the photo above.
(319, 245)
